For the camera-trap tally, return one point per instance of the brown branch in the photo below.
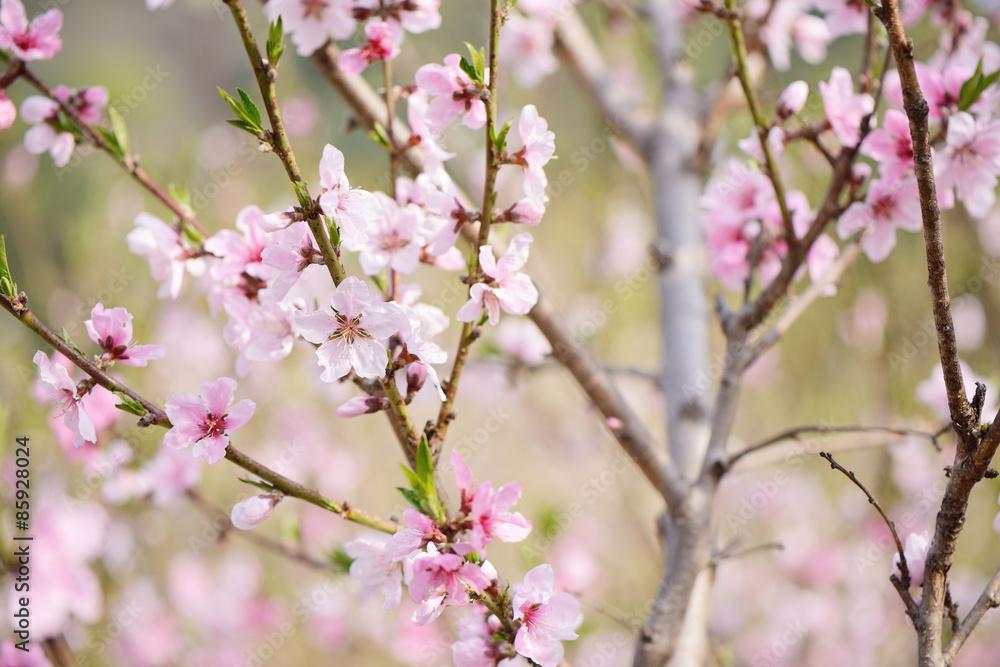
(58, 652)
(795, 433)
(904, 589)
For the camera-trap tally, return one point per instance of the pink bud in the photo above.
(416, 375)
(247, 514)
(362, 405)
(793, 99)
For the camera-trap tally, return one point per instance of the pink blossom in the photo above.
(168, 257)
(260, 331)
(454, 94)
(788, 22)
(421, 135)
(792, 99)
(238, 266)
(38, 40)
(418, 324)
(538, 146)
(416, 16)
(486, 509)
(291, 251)
(526, 211)
(62, 392)
(374, 568)
(915, 550)
(383, 44)
(848, 17)
(441, 579)
(474, 645)
(8, 112)
(312, 23)
(546, 618)
(526, 47)
(153, 5)
(844, 109)
(206, 421)
(352, 334)
(251, 512)
(887, 207)
(87, 102)
(11, 656)
(420, 531)
(394, 241)
(112, 329)
(352, 210)
(891, 146)
(44, 136)
(502, 286)
(969, 163)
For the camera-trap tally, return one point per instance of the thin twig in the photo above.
(58, 652)
(904, 570)
(795, 433)
(731, 552)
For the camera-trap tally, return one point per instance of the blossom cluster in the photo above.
(745, 225)
(443, 564)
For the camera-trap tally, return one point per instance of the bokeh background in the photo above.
(179, 588)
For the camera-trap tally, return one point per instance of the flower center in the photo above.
(349, 329)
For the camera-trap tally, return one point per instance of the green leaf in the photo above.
(181, 195)
(112, 141)
(119, 130)
(341, 560)
(7, 286)
(380, 136)
(975, 86)
(411, 477)
(275, 47)
(425, 467)
(129, 404)
(500, 139)
(302, 193)
(475, 65)
(245, 126)
(69, 341)
(411, 498)
(333, 230)
(249, 107)
(260, 485)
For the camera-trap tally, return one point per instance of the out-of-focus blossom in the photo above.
(538, 145)
(311, 24)
(383, 44)
(969, 163)
(454, 94)
(44, 135)
(8, 112)
(522, 340)
(891, 146)
(165, 251)
(374, 568)
(887, 207)
(844, 108)
(915, 551)
(251, 512)
(792, 99)
(526, 47)
(37, 40)
(416, 16)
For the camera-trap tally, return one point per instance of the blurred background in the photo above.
(178, 588)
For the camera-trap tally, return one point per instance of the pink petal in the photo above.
(240, 414)
(218, 395)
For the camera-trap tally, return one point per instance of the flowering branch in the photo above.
(740, 57)
(125, 161)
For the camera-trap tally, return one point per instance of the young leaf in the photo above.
(250, 107)
(341, 560)
(411, 477)
(500, 140)
(275, 47)
(180, 195)
(425, 467)
(411, 498)
(112, 141)
(129, 404)
(380, 136)
(7, 287)
(118, 129)
(245, 126)
(69, 341)
(260, 485)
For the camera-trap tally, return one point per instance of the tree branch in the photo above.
(987, 600)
